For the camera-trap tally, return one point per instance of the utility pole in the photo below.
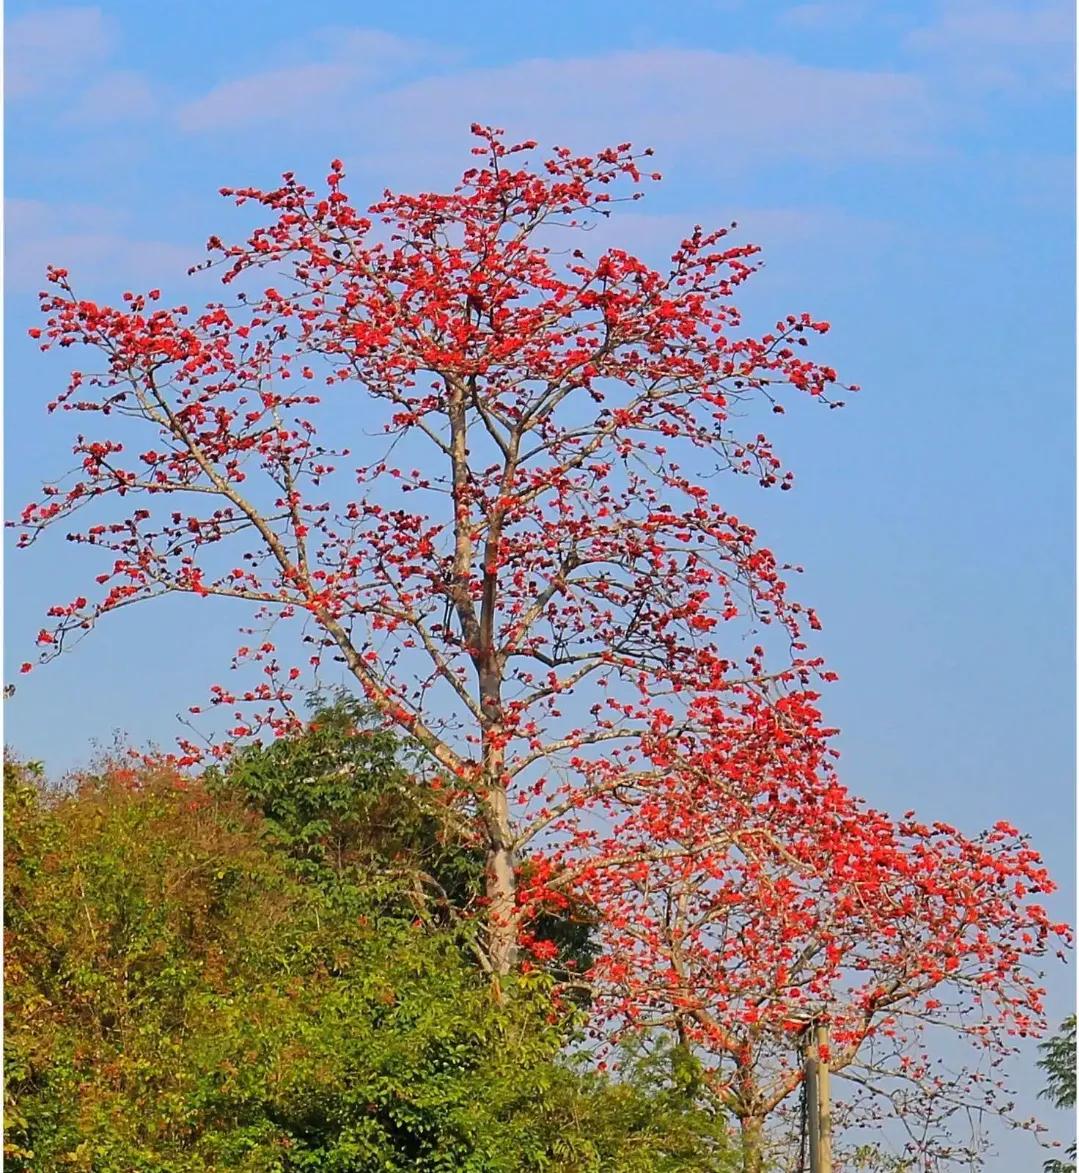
(824, 1098)
(818, 1099)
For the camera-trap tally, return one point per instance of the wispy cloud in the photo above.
(90, 240)
(1002, 45)
(355, 60)
(721, 109)
(267, 97)
(121, 96)
(53, 49)
(376, 52)
(826, 14)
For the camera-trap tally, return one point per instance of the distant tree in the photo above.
(1058, 1063)
(752, 908)
(179, 998)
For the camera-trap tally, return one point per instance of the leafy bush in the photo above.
(339, 799)
(180, 996)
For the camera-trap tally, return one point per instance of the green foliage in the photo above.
(340, 799)
(182, 997)
(1058, 1063)
(871, 1157)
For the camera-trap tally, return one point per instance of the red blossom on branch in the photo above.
(474, 464)
(529, 571)
(745, 895)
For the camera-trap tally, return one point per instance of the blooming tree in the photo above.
(747, 897)
(474, 466)
(527, 572)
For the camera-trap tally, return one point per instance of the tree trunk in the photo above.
(479, 636)
(752, 1144)
(501, 872)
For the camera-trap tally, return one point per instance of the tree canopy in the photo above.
(527, 571)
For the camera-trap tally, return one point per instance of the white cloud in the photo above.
(729, 104)
(1002, 45)
(356, 60)
(725, 110)
(122, 96)
(377, 52)
(53, 48)
(826, 14)
(266, 97)
(88, 240)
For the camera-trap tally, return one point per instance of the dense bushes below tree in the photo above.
(229, 977)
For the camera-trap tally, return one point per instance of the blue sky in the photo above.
(907, 168)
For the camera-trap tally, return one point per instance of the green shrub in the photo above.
(181, 997)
